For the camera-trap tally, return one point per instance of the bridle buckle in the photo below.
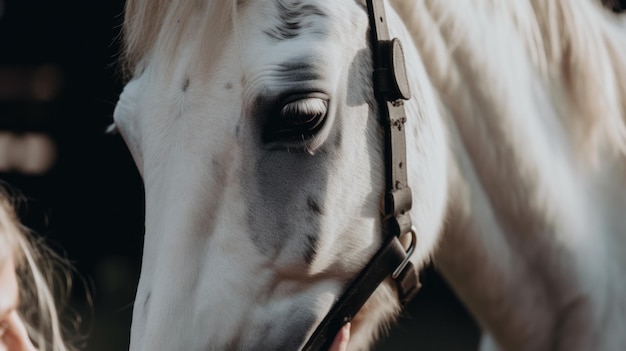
(409, 252)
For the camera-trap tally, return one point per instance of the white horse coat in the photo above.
(514, 138)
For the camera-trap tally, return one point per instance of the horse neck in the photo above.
(528, 240)
(537, 287)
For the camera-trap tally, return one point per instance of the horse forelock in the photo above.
(160, 24)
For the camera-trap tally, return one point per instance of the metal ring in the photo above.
(409, 253)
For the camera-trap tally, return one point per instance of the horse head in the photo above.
(256, 131)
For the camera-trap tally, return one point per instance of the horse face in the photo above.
(261, 155)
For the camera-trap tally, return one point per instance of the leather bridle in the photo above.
(391, 260)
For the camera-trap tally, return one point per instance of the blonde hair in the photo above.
(37, 268)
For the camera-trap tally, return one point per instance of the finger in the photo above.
(16, 337)
(341, 340)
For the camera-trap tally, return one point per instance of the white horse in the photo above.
(515, 136)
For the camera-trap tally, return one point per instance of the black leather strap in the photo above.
(386, 260)
(391, 87)
(391, 260)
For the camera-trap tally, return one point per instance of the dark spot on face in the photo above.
(338, 139)
(146, 302)
(311, 248)
(314, 206)
(273, 178)
(185, 85)
(228, 86)
(215, 163)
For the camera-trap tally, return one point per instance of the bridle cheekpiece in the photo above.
(391, 88)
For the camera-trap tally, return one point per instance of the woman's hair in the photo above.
(39, 272)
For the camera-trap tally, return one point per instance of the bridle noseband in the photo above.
(391, 260)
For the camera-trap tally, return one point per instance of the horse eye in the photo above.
(297, 120)
(304, 112)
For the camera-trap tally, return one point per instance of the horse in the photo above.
(256, 129)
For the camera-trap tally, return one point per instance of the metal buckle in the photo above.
(409, 253)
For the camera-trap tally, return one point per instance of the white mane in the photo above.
(577, 46)
(534, 90)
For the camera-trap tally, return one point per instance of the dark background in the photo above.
(59, 80)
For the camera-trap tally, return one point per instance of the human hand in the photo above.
(13, 335)
(341, 340)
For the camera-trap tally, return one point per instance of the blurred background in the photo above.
(58, 86)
